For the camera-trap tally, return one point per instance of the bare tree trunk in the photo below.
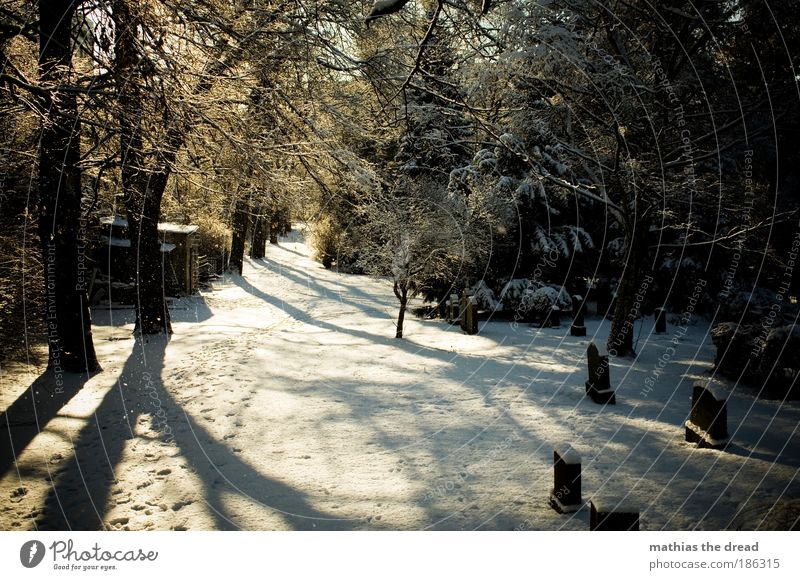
(239, 225)
(62, 235)
(260, 233)
(401, 291)
(620, 339)
(143, 188)
(152, 313)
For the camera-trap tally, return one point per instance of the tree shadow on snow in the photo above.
(33, 410)
(185, 309)
(85, 488)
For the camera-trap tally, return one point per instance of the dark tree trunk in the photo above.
(401, 291)
(258, 246)
(143, 187)
(152, 313)
(239, 227)
(62, 230)
(620, 339)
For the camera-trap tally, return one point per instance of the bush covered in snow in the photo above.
(543, 299)
(530, 297)
(485, 298)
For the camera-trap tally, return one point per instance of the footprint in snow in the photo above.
(180, 504)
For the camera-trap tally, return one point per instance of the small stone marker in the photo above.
(455, 308)
(660, 315)
(566, 494)
(602, 294)
(451, 308)
(469, 314)
(598, 387)
(578, 314)
(612, 516)
(708, 422)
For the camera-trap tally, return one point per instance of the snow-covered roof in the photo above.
(177, 228)
(121, 222)
(116, 221)
(123, 243)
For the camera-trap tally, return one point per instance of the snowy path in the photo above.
(287, 405)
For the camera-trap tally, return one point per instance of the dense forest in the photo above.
(528, 150)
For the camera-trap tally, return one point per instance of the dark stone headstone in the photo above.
(598, 387)
(578, 313)
(566, 494)
(469, 314)
(451, 308)
(602, 295)
(708, 422)
(660, 315)
(578, 310)
(455, 308)
(612, 516)
(577, 330)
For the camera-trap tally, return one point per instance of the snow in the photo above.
(568, 455)
(606, 504)
(700, 432)
(283, 402)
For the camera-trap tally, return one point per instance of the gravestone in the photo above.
(578, 313)
(660, 315)
(452, 308)
(708, 421)
(598, 387)
(602, 295)
(566, 494)
(469, 314)
(612, 516)
(455, 308)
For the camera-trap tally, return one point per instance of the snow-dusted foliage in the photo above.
(563, 240)
(543, 299)
(526, 296)
(513, 293)
(485, 298)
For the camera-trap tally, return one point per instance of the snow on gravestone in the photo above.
(578, 312)
(708, 421)
(566, 494)
(609, 515)
(598, 387)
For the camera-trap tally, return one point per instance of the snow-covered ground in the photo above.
(283, 402)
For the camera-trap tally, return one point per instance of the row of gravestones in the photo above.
(708, 418)
(465, 310)
(707, 426)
